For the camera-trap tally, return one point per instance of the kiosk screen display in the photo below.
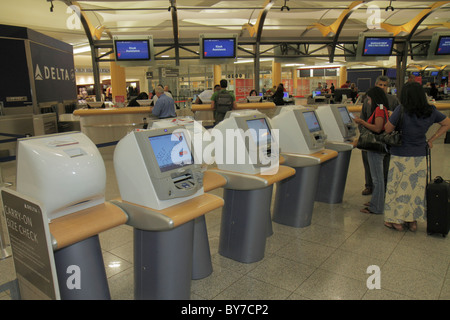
(131, 50)
(443, 47)
(378, 46)
(171, 151)
(344, 114)
(261, 132)
(219, 48)
(311, 121)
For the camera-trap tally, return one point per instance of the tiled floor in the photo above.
(326, 260)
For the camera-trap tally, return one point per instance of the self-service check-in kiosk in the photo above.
(162, 192)
(341, 131)
(202, 265)
(302, 142)
(66, 174)
(247, 155)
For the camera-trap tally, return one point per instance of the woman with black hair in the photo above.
(405, 191)
(379, 116)
(278, 95)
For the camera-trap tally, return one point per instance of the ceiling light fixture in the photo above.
(389, 7)
(285, 6)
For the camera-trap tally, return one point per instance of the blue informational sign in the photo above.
(219, 48)
(377, 46)
(130, 50)
(443, 47)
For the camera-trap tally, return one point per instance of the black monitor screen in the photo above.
(378, 46)
(261, 132)
(219, 48)
(344, 114)
(131, 50)
(171, 151)
(311, 121)
(443, 47)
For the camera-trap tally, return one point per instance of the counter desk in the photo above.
(112, 124)
(205, 113)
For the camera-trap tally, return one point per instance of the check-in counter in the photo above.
(205, 113)
(341, 130)
(65, 173)
(302, 142)
(251, 168)
(162, 193)
(104, 125)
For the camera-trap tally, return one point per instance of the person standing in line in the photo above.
(405, 192)
(222, 101)
(379, 116)
(383, 83)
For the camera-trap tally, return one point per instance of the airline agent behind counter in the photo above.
(164, 106)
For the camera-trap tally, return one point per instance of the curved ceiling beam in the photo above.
(257, 28)
(93, 33)
(411, 26)
(337, 25)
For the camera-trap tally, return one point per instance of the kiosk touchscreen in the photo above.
(155, 168)
(337, 122)
(64, 172)
(300, 130)
(199, 136)
(248, 145)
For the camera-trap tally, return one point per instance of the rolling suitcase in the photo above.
(438, 203)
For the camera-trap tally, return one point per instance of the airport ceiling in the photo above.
(314, 26)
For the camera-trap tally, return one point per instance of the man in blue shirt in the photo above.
(164, 106)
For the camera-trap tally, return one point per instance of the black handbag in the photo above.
(393, 139)
(371, 141)
(368, 141)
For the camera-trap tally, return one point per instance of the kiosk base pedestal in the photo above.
(201, 264)
(86, 264)
(244, 226)
(163, 263)
(332, 178)
(294, 199)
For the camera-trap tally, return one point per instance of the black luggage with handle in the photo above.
(438, 203)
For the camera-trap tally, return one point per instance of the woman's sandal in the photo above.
(412, 226)
(366, 210)
(395, 226)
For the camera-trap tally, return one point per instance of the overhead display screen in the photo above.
(131, 50)
(378, 46)
(171, 151)
(443, 47)
(219, 48)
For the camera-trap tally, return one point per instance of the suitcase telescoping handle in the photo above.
(438, 179)
(428, 164)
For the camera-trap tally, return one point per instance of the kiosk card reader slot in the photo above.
(337, 122)
(155, 168)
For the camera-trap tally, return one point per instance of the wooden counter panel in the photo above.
(86, 223)
(212, 180)
(110, 111)
(240, 106)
